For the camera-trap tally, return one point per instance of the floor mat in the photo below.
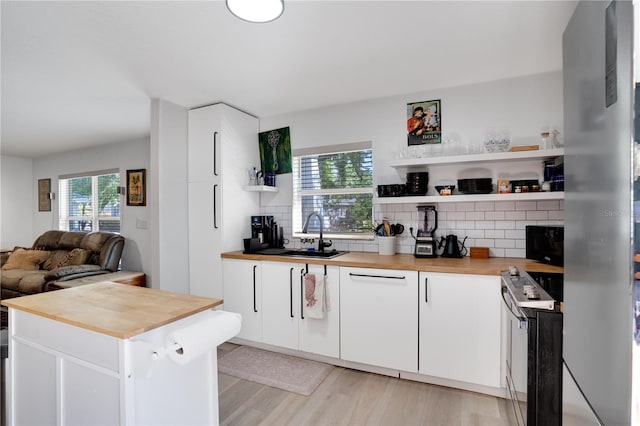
(273, 369)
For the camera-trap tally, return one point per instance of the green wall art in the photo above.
(275, 151)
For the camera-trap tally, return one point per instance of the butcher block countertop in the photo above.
(408, 262)
(114, 309)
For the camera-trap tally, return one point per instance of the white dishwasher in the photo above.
(379, 317)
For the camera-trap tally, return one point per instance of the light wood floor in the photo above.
(350, 397)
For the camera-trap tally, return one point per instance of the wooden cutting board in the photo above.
(114, 309)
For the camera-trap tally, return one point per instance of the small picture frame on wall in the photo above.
(137, 187)
(44, 189)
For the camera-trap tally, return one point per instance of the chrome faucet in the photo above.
(321, 243)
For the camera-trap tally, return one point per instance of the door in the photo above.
(460, 327)
(379, 317)
(322, 336)
(281, 303)
(205, 272)
(204, 144)
(243, 295)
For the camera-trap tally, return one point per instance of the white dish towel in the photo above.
(316, 296)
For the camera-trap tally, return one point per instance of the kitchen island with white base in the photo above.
(107, 353)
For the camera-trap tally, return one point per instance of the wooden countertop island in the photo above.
(113, 309)
(108, 353)
(408, 262)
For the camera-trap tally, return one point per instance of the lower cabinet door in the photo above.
(379, 317)
(243, 295)
(460, 326)
(322, 336)
(284, 322)
(281, 303)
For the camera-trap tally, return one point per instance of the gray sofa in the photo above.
(58, 256)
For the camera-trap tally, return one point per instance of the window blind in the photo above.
(338, 184)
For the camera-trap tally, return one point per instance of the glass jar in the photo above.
(545, 143)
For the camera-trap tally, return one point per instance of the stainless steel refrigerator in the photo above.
(600, 293)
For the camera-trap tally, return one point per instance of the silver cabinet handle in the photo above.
(215, 153)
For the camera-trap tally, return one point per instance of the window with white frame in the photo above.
(90, 201)
(337, 183)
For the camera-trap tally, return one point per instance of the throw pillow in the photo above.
(55, 258)
(77, 256)
(26, 259)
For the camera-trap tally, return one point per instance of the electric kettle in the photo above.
(452, 248)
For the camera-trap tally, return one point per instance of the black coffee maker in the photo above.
(261, 229)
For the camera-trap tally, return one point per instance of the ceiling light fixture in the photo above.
(256, 10)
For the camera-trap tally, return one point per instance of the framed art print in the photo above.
(424, 123)
(44, 201)
(137, 187)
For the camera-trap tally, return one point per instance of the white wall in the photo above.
(169, 214)
(122, 156)
(18, 198)
(524, 106)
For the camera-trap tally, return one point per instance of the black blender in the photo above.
(425, 237)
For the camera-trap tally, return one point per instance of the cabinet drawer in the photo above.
(96, 348)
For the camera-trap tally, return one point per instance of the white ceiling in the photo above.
(82, 73)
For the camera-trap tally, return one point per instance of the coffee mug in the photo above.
(270, 179)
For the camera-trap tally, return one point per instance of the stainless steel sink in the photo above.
(316, 254)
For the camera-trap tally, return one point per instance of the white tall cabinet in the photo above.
(460, 327)
(222, 146)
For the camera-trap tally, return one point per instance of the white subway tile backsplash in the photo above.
(488, 206)
(515, 253)
(475, 233)
(515, 215)
(548, 205)
(505, 224)
(515, 234)
(537, 215)
(485, 242)
(493, 215)
(526, 205)
(556, 215)
(485, 224)
(465, 207)
(494, 233)
(456, 215)
(505, 205)
(465, 224)
(499, 225)
(505, 244)
(474, 216)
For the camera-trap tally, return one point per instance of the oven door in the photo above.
(516, 357)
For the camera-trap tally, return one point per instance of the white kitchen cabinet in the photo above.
(379, 317)
(243, 295)
(222, 146)
(283, 321)
(460, 327)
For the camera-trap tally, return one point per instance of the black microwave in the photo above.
(545, 244)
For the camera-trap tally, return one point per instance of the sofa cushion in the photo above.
(23, 281)
(71, 239)
(48, 240)
(26, 259)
